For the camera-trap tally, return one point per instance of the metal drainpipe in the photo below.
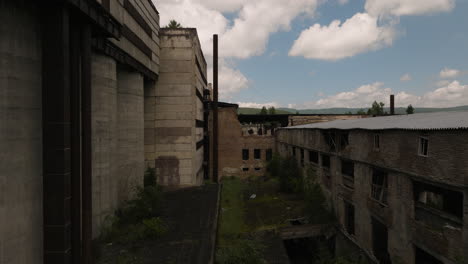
(215, 108)
(86, 145)
(75, 95)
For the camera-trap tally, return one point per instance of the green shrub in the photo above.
(288, 173)
(246, 251)
(147, 204)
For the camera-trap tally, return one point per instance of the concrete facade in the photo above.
(174, 111)
(296, 120)
(20, 134)
(411, 222)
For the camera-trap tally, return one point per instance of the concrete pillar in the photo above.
(131, 158)
(104, 138)
(149, 116)
(20, 134)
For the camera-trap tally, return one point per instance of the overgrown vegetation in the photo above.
(139, 218)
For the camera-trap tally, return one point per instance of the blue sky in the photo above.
(426, 41)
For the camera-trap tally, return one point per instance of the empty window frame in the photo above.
(330, 140)
(326, 161)
(349, 217)
(257, 154)
(260, 132)
(245, 154)
(421, 256)
(294, 152)
(245, 169)
(344, 140)
(380, 241)
(379, 185)
(438, 198)
(257, 169)
(269, 154)
(376, 141)
(423, 146)
(313, 157)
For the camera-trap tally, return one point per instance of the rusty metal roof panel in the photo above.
(424, 121)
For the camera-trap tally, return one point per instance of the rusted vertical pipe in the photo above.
(86, 145)
(392, 104)
(75, 95)
(215, 108)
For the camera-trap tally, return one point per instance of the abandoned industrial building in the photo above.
(398, 183)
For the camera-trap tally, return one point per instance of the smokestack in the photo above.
(215, 108)
(392, 104)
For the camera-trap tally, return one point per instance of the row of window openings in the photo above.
(247, 169)
(257, 154)
(380, 238)
(330, 137)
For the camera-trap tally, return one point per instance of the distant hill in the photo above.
(254, 111)
(398, 110)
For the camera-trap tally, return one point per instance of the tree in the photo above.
(264, 111)
(348, 113)
(272, 110)
(376, 109)
(410, 110)
(361, 112)
(297, 112)
(173, 24)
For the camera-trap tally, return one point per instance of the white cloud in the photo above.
(358, 34)
(258, 105)
(230, 80)
(449, 73)
(406, 77)
(407, 7)
(222, 6)
(452, 94)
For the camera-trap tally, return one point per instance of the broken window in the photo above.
(349, 218)
(269, 154)
(260, 131)
(376, 141)
(294, 152)
(344, 140)
(250, 131)
(245, 154)
(438, 198)
(347, 170)
(313, 156)
(302, 157)
(245, 169)
(423, 146)
(380, 241)
(257, 154)
(330, 140)
(326, 161)
(421, 256)
(257, 169)
(379, 186)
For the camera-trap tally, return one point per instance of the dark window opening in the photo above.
(302, 157)
(245, 169)
(380, 242)
(257, 169)
(245, 154)
(438, 198)
(421, 256)
(257, 154)
(294, 152)
(330, 140)
(326, 161)
(250, 131)
(376, 141)
(269, 154)
(423, 146)
(347, 170)
(344, 140)
(349, 218)
(379, 186)
(313, 156)
(260, 132)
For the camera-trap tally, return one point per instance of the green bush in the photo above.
(288, 172)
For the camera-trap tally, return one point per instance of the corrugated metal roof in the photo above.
(425, 121)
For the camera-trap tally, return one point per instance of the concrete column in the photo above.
(150, 117)
(21, 221)
(104, 138)
(131, 158)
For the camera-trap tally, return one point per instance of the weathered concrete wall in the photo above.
(131, 158)
(232, 141)
(105, 133)
(20, 134)
(172, 108)
(398, 156)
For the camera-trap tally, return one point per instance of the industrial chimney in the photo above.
(392, 104)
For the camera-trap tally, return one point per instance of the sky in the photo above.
(312, 54)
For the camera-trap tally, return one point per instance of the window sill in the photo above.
(378, 202)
